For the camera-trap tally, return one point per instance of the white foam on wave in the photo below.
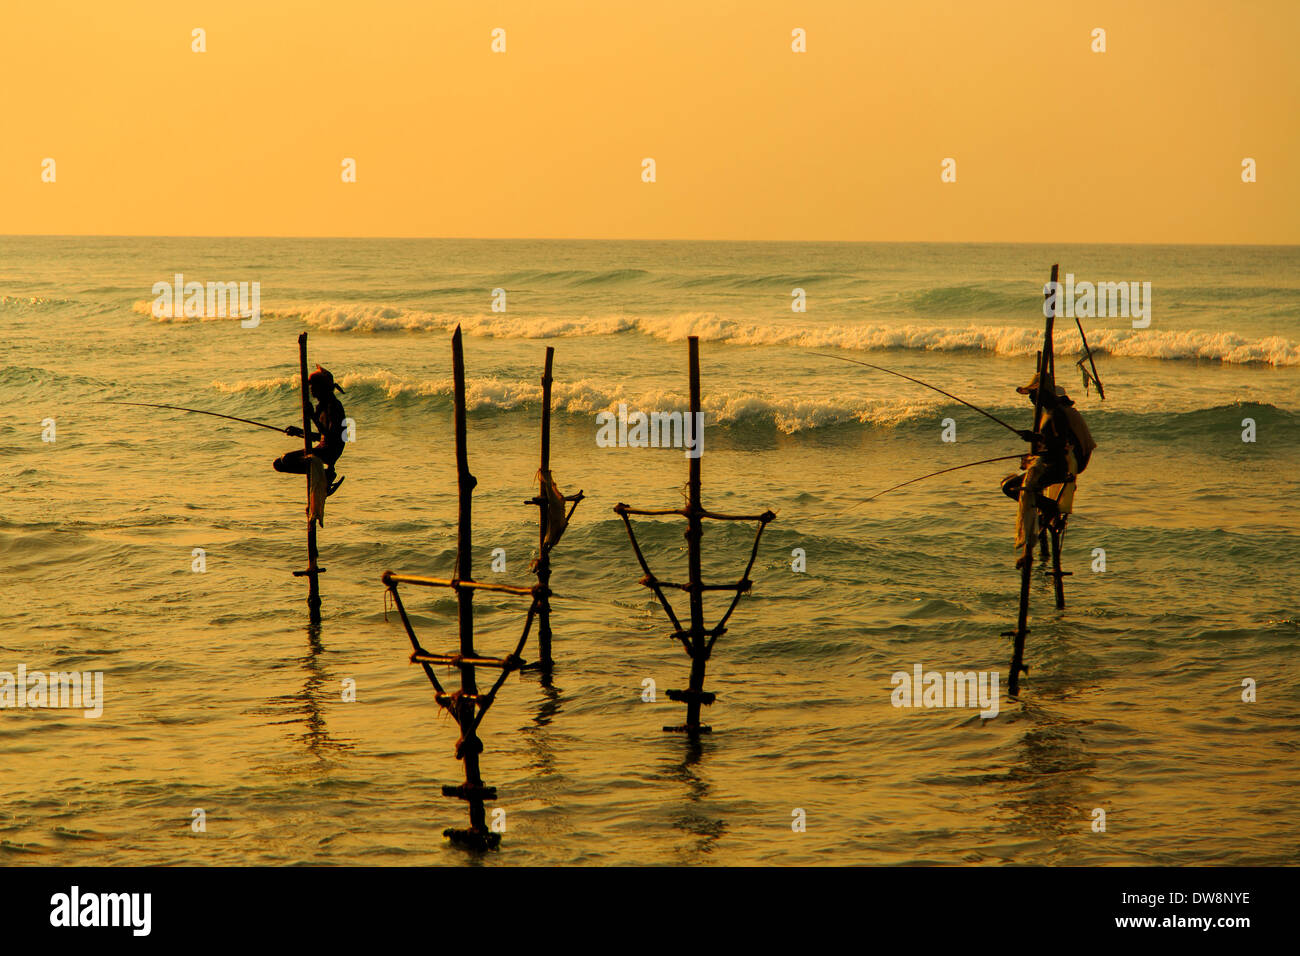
(1225, 347)
(380, 318)
(586, 397)
(1151, 343)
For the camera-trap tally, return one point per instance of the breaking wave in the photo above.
(745, 409)
(585, 398)
(1193, 344)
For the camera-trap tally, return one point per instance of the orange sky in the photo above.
(1053, 142)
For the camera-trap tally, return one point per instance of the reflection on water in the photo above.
(537, 735)
(307, 706)
(1047, 783)
(692, 817)
(1048, 780)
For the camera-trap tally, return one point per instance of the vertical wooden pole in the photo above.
(694, 532)
(469, 746)
(1057, 575)
(1045, 365)
(1018, 652)
(1042, 532)
(313, 573)
(543, 557)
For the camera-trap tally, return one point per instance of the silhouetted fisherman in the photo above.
(1063, 445)
(328, 417)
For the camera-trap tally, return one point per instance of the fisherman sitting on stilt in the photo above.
(1063, 446)
(328, 417)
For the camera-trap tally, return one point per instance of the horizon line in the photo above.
(897, 242)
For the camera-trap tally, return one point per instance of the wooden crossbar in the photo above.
(740, 585)
(390, 578)
(459, 660)
(623, 509)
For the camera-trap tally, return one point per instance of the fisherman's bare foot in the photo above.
(334, 486)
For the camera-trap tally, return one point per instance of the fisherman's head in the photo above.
(322, 384)
(1055, 397)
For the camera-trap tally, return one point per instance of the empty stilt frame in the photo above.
(697, 639)
(468, 705)
(548, 500)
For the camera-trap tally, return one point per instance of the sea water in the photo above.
(217, 697)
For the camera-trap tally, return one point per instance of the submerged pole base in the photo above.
(1058, 585)
(1013, 679)
(313, 596)
(1018, 666)
(473, 839)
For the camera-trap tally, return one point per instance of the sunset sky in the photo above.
(1142, 143)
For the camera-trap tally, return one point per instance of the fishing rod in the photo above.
(199, 411)
(935, 473)
(1019, 432)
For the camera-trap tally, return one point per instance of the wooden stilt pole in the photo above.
(1028, 497)
(469, 746)
(695, 581)
(542, 566)
(1058, 576)
(544, 553)
(313, 571)
(1018, 651)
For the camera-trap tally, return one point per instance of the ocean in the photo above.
(219, 698)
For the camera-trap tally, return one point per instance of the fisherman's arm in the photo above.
(296, 432)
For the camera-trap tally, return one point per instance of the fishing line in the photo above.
(969, 464)
(890, 371)
(199, 411)
(934, 473)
